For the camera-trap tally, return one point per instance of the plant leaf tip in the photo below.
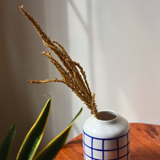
(13, 126)
(48, 95)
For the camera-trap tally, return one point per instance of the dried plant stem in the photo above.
(71, 72)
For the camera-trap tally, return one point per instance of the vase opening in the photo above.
(108, 115)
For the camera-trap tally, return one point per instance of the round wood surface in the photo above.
(145, 144)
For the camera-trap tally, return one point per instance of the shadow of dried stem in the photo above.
(71, 72)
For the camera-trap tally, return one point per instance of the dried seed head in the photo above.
(71, 72)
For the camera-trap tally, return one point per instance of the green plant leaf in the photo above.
(7, 143)
(34, 136)
(51, 150)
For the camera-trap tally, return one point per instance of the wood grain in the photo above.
(145, 144)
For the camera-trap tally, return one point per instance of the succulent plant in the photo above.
(34, 137)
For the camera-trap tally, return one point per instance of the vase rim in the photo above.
(112, 115)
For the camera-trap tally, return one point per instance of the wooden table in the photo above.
(145, 144)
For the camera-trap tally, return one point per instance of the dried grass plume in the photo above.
(71, 72)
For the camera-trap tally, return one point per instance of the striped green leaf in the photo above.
(7, 143)
(34, 136)
(51, 150)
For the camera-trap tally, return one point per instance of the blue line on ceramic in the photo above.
(127, 146)
(117, 148)
(107, 159)
(104, 138)
(84, 145)
(106, 149)
(103, 150)
(92, 147)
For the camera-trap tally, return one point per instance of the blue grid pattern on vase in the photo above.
(113, 148)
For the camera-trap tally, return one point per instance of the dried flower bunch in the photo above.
(71, 72)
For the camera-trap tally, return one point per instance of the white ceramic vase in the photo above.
(106, 139)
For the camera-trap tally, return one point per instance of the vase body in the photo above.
(106, 139)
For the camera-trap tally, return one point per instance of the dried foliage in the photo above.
(71, 72)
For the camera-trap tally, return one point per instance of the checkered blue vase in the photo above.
(106, 139)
